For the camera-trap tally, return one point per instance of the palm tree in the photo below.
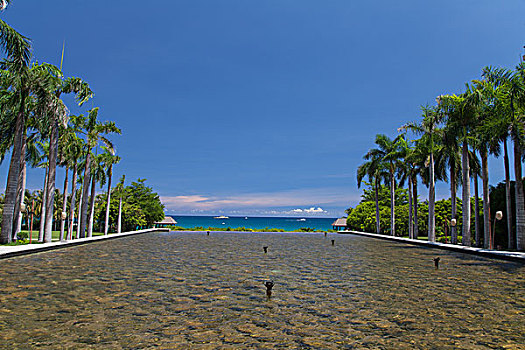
(16, 46)
(24, 81)
(491, 130)
(374, 169)
(17, 72)
(496, 131)
(94, 132)
(418, 158)
(74, 153)
(120, 192)
(52, 107)
(428, 127)
(517, 132)
(448, 157)
(16, 68)
(98, 175)
(390, 152)
(407, 171)
(31, 156)
(460, 112)
(475, 168)
(80, 199)
(42, 162)
(512, 97)
(109, 159)
(70, 148)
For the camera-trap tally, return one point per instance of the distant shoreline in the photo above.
(245, 229)
(254, 216)
(259, 223)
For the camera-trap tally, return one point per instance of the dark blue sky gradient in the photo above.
(262, 107)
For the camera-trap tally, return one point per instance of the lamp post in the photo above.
(32, 212)
(63, 216)
(453, 223)
(497, 217)
(22, 211)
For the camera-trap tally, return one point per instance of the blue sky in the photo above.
(264, 107)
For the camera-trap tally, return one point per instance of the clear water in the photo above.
(192, 291)
(287, 224)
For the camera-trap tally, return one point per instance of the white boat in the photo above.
(221, 217)
(301, 220)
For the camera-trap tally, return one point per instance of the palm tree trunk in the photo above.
(50, 201)
(119, 222)
(12, 177)
(415, 201)
(72, 203)
(91, 218)
(22, 199)
(465, 171)
(106, 226)
(453, 204)
(431, 202)
(80, 200)
(64, 205)
(91, 207)
(392, 203)
(378, 224)
(20, 192)
(520, 209)
(410, 227)
(43, 210)
(476, 213)
(510, 232)
(486, 198)
(85, 196)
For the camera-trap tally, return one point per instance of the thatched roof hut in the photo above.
(339, 224)
(167, 221)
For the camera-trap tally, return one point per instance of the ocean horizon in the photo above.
(254, 222)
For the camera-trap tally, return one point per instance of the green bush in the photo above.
(23, 235)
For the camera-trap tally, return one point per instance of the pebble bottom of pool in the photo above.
(192, 291)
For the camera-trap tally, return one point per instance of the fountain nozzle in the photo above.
(436, 262)
(269, 286)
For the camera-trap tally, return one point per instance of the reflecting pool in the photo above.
(193, 291)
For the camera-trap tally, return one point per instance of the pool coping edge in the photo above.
(21, 250)
(497, 254)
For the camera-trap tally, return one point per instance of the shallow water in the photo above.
(192, 291)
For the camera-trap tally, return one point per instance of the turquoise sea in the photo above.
(285, 223)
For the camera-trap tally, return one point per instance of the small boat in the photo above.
(301, 220)
(245, 218)
(221, 217)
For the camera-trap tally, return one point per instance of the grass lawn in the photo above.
(55, 237)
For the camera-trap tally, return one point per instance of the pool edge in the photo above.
(503, 255)
(7, 252)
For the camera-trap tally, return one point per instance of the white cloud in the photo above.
(185, 199)
(311, 210)
(314, 211)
